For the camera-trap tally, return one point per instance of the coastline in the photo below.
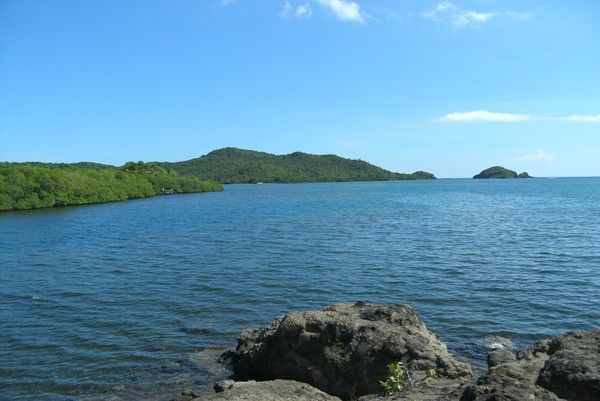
(353, 352)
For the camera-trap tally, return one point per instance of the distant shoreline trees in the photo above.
(38, 185)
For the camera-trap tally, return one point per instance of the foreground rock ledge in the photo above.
(276, 390)
(344, 349)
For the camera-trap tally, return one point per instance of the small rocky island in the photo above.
(373, 352)
(500, 172)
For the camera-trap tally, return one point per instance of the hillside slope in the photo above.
(500, 172)
(233, 165)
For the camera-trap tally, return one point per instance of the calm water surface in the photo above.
(132, 300)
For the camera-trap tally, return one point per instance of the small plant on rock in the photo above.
(433, 373)
(396, 381)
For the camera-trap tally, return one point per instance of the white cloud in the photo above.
(488, 116)
(485, 116)
(344, 10)
(287, 10)
(304, 11)
(538, 155)
(584, 119)
(448, 11)
(301, 11)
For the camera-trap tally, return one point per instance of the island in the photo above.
(34, 185)
(241, 166)
(43, 185)
(500, 172)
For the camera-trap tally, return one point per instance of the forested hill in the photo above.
(232, 165)
(40, 185)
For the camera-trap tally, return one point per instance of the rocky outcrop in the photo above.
(565, 367)
(572, 370)
(344, 349)
(276, 390)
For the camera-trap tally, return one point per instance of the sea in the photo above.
(136, 299)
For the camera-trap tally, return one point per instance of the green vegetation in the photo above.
(500, 172)
(397, 379)
(433, 373)
(232, 165)
(40, 185)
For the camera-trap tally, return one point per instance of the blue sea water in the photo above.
(133, 300)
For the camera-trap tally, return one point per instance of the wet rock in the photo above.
(276, 390)
(186, 395)
(344, 349)
(499, 356)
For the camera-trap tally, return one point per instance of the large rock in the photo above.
(276, 390)
(344, 349)
(572, 370)
(566, 367)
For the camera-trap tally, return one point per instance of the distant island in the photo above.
(500, 172)
(240, 166)
(42, 185)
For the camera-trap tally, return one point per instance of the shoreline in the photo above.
(353, 352)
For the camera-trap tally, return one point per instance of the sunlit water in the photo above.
(133, 300)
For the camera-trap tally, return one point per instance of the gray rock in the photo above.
(276, 390)
(572, 370)
(223, 385)
(565, 367)
(499, 356)
(344, 349)
(432, 390)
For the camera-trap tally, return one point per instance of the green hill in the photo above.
(232, 165)
(40, 185)
(500, 172)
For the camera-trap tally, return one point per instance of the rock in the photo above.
(344, 349)
(524, 175)
(573, 369)
(188, 393)
(565, 367)
(223, 385)
(433, 390)
(276, 390)
(499, 356)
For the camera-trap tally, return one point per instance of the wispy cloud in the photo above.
(538, 155)
(485, 116)
(447, 11)
(523, 16)
(584, 118)
(301, 11)
(488, 116)
(344, 10)
(457, 16)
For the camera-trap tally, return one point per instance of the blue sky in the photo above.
(451, 87)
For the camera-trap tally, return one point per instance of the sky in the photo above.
(450, 87)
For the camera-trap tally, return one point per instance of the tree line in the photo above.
(39, 185)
